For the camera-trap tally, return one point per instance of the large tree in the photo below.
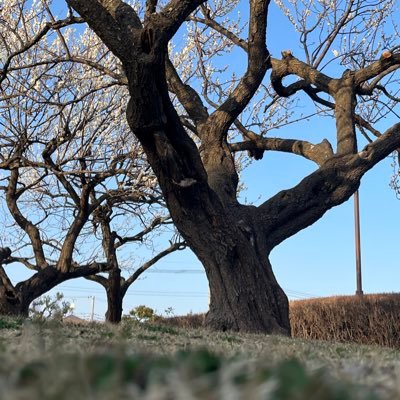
(196, 170)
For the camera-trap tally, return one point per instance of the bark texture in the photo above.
(114, 297)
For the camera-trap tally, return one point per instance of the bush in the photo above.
(370, 319)
(50, 308)
(142, 313)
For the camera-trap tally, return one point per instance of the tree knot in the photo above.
(147, 39)
(286, 54)
(5, 252)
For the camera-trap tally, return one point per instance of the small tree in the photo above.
(50, 308)
(115, 285)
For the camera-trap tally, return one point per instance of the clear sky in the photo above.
(318, 261)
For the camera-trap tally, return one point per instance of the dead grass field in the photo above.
(156, 362)
(372, 319)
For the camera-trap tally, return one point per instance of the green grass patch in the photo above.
(10, 323)
(160, 328)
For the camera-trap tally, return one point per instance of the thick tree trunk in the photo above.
(114, 308)
(13, 304)
(245, 295)
(114, 297)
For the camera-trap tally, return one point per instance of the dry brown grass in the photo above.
(370, 319)
(184, 321)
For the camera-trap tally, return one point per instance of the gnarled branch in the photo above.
(318, 153)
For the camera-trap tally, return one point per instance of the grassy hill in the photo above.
(156, 362)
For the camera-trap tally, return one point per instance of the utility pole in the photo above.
(72, 306)
(92, 313)
(359, 291)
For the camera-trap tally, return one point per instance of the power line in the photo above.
(163, 293)
(175, 271)
(296, 293)
(152, 293)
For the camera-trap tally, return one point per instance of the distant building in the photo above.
(73, 319)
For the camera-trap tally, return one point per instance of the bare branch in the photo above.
(98, 279)
(318, 153)
(377, 68)
(51, 147)
(173, 247)
(26, 225)
(5, 281)
(290, 65)
(258, 63)
(175, 13)
(330, 185)
(56, 25)
(187, 96)
(326, 44)
(139, 236)
(207, 20)
(113, 21)
(24, 261)
(369, 88)
(49, 277)
(64, 263)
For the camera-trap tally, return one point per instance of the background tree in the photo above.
(116, 285)
(196, 170)
(67, 159)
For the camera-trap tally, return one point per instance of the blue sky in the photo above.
(318, 261)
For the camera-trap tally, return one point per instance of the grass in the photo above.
(372, 319)
(151, 361)
(9, 323)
